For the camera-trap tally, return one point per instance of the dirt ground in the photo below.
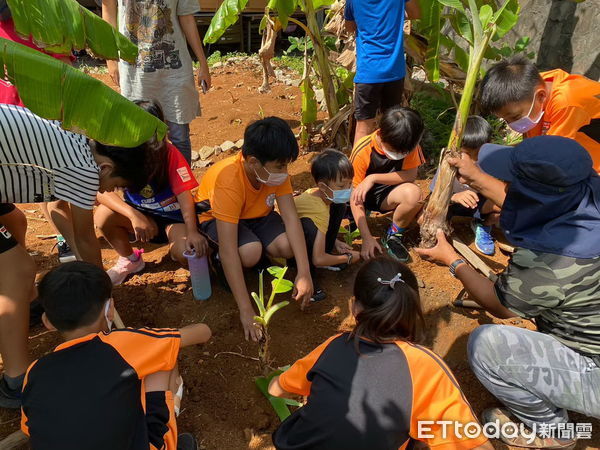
(221, 404)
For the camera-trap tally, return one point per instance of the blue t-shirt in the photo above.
(379, 39)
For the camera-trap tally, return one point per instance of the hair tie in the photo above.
(391, 283)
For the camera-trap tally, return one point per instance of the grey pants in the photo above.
(533, 374)
(179, 135)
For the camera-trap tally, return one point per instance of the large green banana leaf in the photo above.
(60, 26)
(226, 15)
(57, 91)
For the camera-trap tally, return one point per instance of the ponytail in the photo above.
(388, 293)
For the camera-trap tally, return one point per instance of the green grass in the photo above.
(438, 114)
(295, 63)
(216, 57)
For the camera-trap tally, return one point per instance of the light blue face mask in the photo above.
(339, 195)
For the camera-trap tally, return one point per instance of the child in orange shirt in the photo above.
(370, 388)
(554, 102)
(385, 168)
(237, 196)
(103, 389)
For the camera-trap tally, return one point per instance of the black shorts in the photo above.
(377, 195)
(6, 240)
(369, 99)
(6, 208)
(336, 214)
(264, 229)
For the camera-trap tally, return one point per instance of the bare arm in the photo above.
(480, 288)
(234, 272)
(488, 186)
(197, 333)
(413, 9)
(393, 178)
(303, 286)
(276, 390)
(113, 201)
(321, 258)
(86, 241)
(190, 30)
(194, 238)
(110, 14)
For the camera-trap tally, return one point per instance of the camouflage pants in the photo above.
(533, 374)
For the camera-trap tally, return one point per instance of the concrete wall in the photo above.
(563, 34)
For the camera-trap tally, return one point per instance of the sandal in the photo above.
(503, 417)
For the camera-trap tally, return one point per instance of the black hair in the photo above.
(270, 139)
(160, 174)
(331, 165)
(477, 132)
(73, 294)
(509, 81)
(142, 164)
(388, 313)
(401, 128)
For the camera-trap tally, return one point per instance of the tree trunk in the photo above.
(266, 53)
(436, 211)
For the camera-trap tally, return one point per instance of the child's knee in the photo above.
(412, 194)
(250, 254)
(280, 247)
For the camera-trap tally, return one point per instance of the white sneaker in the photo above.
(125, 267)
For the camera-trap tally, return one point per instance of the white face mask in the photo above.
(108, 321)
(394, 156)
(274, 179)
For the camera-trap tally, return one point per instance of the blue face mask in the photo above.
(339, 195)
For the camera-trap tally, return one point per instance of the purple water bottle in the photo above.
(199, 274)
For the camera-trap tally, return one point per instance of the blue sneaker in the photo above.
(484, 242)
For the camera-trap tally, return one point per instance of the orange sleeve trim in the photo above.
(414, 159)
(360, 163)
(294, 379)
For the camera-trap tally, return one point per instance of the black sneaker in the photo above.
(187, 441)
(65, 254)
(395, 248)
(318, 295)
(9, 398)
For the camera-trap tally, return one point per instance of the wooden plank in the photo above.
(473, 259)
(14, 441)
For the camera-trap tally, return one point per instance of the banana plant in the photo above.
(55, 90)
(61, 26)
(279, 404)
(477, 22)
(266, 308)
(349, 236)
(228, 14)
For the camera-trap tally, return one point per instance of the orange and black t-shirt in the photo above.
(572, 111)
(372, 399)
(89, 393)
(226, 194)
(368, 157)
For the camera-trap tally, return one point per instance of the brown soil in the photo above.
(221, 404)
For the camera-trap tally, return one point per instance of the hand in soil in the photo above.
(144, 228)
(442, 253)
(360, 192)
(370, 248)
(468, 199)
(303, 290)
(252, 330)
(197, 242)
(342, 247)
